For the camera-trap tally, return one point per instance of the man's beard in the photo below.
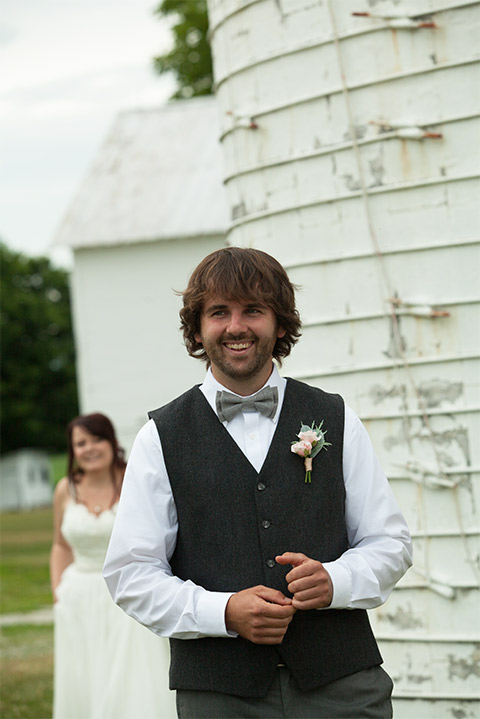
(263, 349)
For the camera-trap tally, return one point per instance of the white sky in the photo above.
(68, 67)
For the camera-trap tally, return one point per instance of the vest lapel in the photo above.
(283, 435)
(222, 434)
(285, 431)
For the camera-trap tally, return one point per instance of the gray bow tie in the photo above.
(265, 401)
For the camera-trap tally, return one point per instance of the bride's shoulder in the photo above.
(61, 494)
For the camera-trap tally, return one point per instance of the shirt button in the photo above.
(271, 562)
(260, 486)
(266, 523)
(252, 436)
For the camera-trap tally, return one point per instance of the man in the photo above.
(260, 579)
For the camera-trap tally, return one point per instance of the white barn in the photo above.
(25, 480)
(149, 210)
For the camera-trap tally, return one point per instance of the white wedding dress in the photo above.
(107, 666)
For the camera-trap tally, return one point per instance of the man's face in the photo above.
(239, 338)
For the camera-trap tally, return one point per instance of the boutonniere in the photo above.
(312, 440)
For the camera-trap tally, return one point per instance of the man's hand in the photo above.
(308, 581)
(259, 614)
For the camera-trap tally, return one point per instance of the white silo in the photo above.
(351, 153)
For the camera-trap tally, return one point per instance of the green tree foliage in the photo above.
(190, 60)
(38, 390)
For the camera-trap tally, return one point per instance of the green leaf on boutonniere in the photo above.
(312, 440)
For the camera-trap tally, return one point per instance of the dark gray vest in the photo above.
(233, 521)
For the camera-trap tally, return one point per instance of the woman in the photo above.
(106, 664)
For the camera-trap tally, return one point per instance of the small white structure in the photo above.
(25, 480)
(150, 209)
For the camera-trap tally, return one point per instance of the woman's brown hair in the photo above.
(100, 426)
(240, 274)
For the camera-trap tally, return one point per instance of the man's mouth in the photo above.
(238, 346)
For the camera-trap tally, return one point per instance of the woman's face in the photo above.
(92, 453)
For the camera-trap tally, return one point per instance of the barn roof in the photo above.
(157, 176)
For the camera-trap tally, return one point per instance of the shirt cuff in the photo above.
(342, 585)
(211, 614)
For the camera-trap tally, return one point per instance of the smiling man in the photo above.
(260, 579)
(238, 339)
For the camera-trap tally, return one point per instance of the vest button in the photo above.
(260, 486)
(266, 524)
(271, 562)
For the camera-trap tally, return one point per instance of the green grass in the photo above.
(58, 463)
(27, 672)
(25, 541)
(26, 538)
(26, 650)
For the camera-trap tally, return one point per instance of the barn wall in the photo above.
(130, 353)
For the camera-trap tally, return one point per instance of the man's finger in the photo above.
(273, 595)
(304, 571)
(309, 593)
(303, 566)
(293, 558)
(301, 584)
(275, 611)
(311, 604)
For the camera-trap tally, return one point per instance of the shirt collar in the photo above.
(210, 386)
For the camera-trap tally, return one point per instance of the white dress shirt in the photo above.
(137, 569)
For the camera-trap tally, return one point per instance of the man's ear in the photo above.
(280, 333)
(198, 338)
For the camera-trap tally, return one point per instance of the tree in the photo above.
(38, 390)
(190, 59)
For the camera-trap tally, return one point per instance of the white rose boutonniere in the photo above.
(312, 440)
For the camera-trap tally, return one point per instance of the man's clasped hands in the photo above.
(262, 614)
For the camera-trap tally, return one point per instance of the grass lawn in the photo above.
(58, 463)
(26, 538)
(27, 672)
(26, 650)
(25, 541)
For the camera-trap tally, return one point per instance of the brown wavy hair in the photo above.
(100, 426)
(240, 274)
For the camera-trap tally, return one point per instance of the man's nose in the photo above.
(237, 323)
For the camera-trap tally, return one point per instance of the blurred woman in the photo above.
(106, 664)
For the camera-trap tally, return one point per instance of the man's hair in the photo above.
(240, 274)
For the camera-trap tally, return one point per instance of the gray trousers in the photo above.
(364, 695)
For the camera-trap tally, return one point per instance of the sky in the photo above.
(68, 68)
